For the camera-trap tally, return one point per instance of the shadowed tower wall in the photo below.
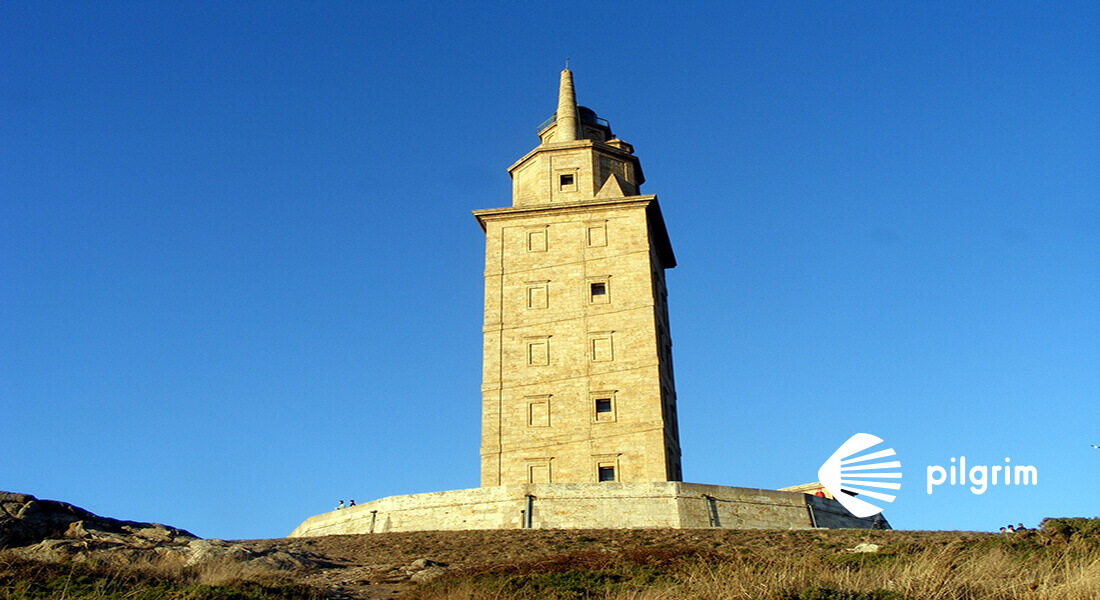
(577, 382)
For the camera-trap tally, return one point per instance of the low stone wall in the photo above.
(741, 508)
(587, 506)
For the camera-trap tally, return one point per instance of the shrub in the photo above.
(1067, 528)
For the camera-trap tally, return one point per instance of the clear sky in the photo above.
(240, 281)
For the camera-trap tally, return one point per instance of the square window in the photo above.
(599, 292)
(607, 473)
(603, 406)
(567, 181)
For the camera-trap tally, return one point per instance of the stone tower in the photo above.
(577, 382)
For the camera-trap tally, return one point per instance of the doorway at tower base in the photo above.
(608, 505)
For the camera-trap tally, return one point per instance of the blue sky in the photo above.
(239, 278)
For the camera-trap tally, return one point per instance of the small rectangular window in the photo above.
(607, 472)
(603, 406)
(567, 182)
(599, 291)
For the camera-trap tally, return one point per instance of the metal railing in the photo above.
(584, 119)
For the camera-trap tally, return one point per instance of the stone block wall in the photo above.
(741, 508)
(587, 506)
(552, 347)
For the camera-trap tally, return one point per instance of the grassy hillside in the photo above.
(22, 579)
(1059, 562)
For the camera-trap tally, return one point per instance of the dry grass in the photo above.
(1062, 562)
(146, 579)
(221, 572)
(944, 574)
(1024, 567)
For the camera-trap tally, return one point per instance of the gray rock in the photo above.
(428, 574)
(54, 551)
(58, 532)
(281, 560)
(865, 547)
(203, 551)
(26, 521)
(424, 563)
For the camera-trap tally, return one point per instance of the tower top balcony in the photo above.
(592, 127)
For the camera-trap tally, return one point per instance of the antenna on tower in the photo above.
(566, 62)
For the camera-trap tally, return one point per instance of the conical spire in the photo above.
(567, 119)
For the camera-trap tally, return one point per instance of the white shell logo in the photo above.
(846, 468)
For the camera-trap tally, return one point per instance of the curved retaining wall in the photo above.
(666, 504)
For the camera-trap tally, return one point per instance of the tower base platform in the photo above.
(665, 504)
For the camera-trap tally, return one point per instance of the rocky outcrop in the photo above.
(26, 520)
(53, 531)
(256, 555)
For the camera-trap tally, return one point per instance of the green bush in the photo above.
(1068, 528)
